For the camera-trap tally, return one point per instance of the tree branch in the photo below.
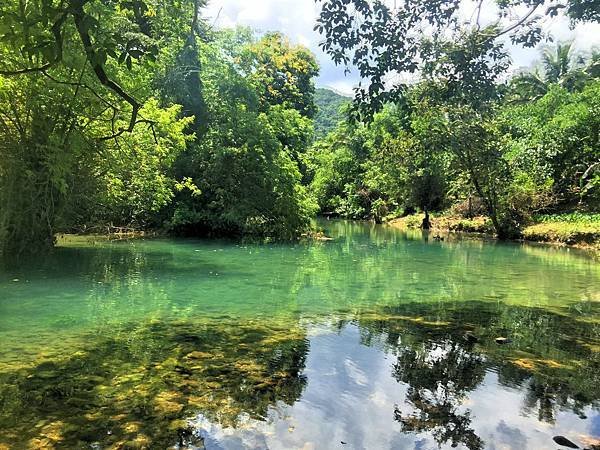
(101, 74)
(81, 85)
(11, 73)
(516, 25)
(589, 170)
(122, 131)
(479, 14)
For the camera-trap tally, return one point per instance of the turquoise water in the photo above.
(353, 343)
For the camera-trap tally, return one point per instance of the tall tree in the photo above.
(282, 73)
(243, 170)
(77, 115)
(437, 39)
(557, 61)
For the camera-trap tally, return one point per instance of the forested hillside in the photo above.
(329, 110)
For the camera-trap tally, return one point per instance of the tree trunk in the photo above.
(426, 224)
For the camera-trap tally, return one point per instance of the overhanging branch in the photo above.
(80, 85)
(101, 74)
(515, 25)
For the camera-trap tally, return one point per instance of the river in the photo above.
(379, 338)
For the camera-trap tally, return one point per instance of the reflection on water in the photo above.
(356, 343)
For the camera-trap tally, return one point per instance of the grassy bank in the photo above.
(574, 229)
(569, 229)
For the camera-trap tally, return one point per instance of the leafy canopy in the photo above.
(437, 39)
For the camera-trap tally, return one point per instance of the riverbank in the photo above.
(92, 238)
(574, 230)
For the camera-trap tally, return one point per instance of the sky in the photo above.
(296, 18)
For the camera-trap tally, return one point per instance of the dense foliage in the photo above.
(137, 115)
(509, 162)
(148, 119)
(242, 175)
(461, 116)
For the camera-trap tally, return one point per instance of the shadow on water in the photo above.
(136, 389)
(110, 259)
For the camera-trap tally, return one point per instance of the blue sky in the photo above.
(296, 19)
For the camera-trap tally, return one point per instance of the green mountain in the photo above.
(328, 114)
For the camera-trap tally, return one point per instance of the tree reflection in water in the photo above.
(439, 377)
(139, 388)
(553, 359)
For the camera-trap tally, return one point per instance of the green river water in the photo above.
(354, 343)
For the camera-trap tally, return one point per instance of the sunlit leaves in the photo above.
(136, 166)
(281, 72)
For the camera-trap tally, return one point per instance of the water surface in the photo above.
(355, 343)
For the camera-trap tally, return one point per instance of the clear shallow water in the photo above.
(353, 343)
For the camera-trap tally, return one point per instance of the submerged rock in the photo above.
(47, 374)
(198, 355)
(561, 440)
(503, 340)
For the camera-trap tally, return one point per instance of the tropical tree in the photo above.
(79, 115)
(559, 66)
(557, 61)
(281, 73)
(243, 169)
